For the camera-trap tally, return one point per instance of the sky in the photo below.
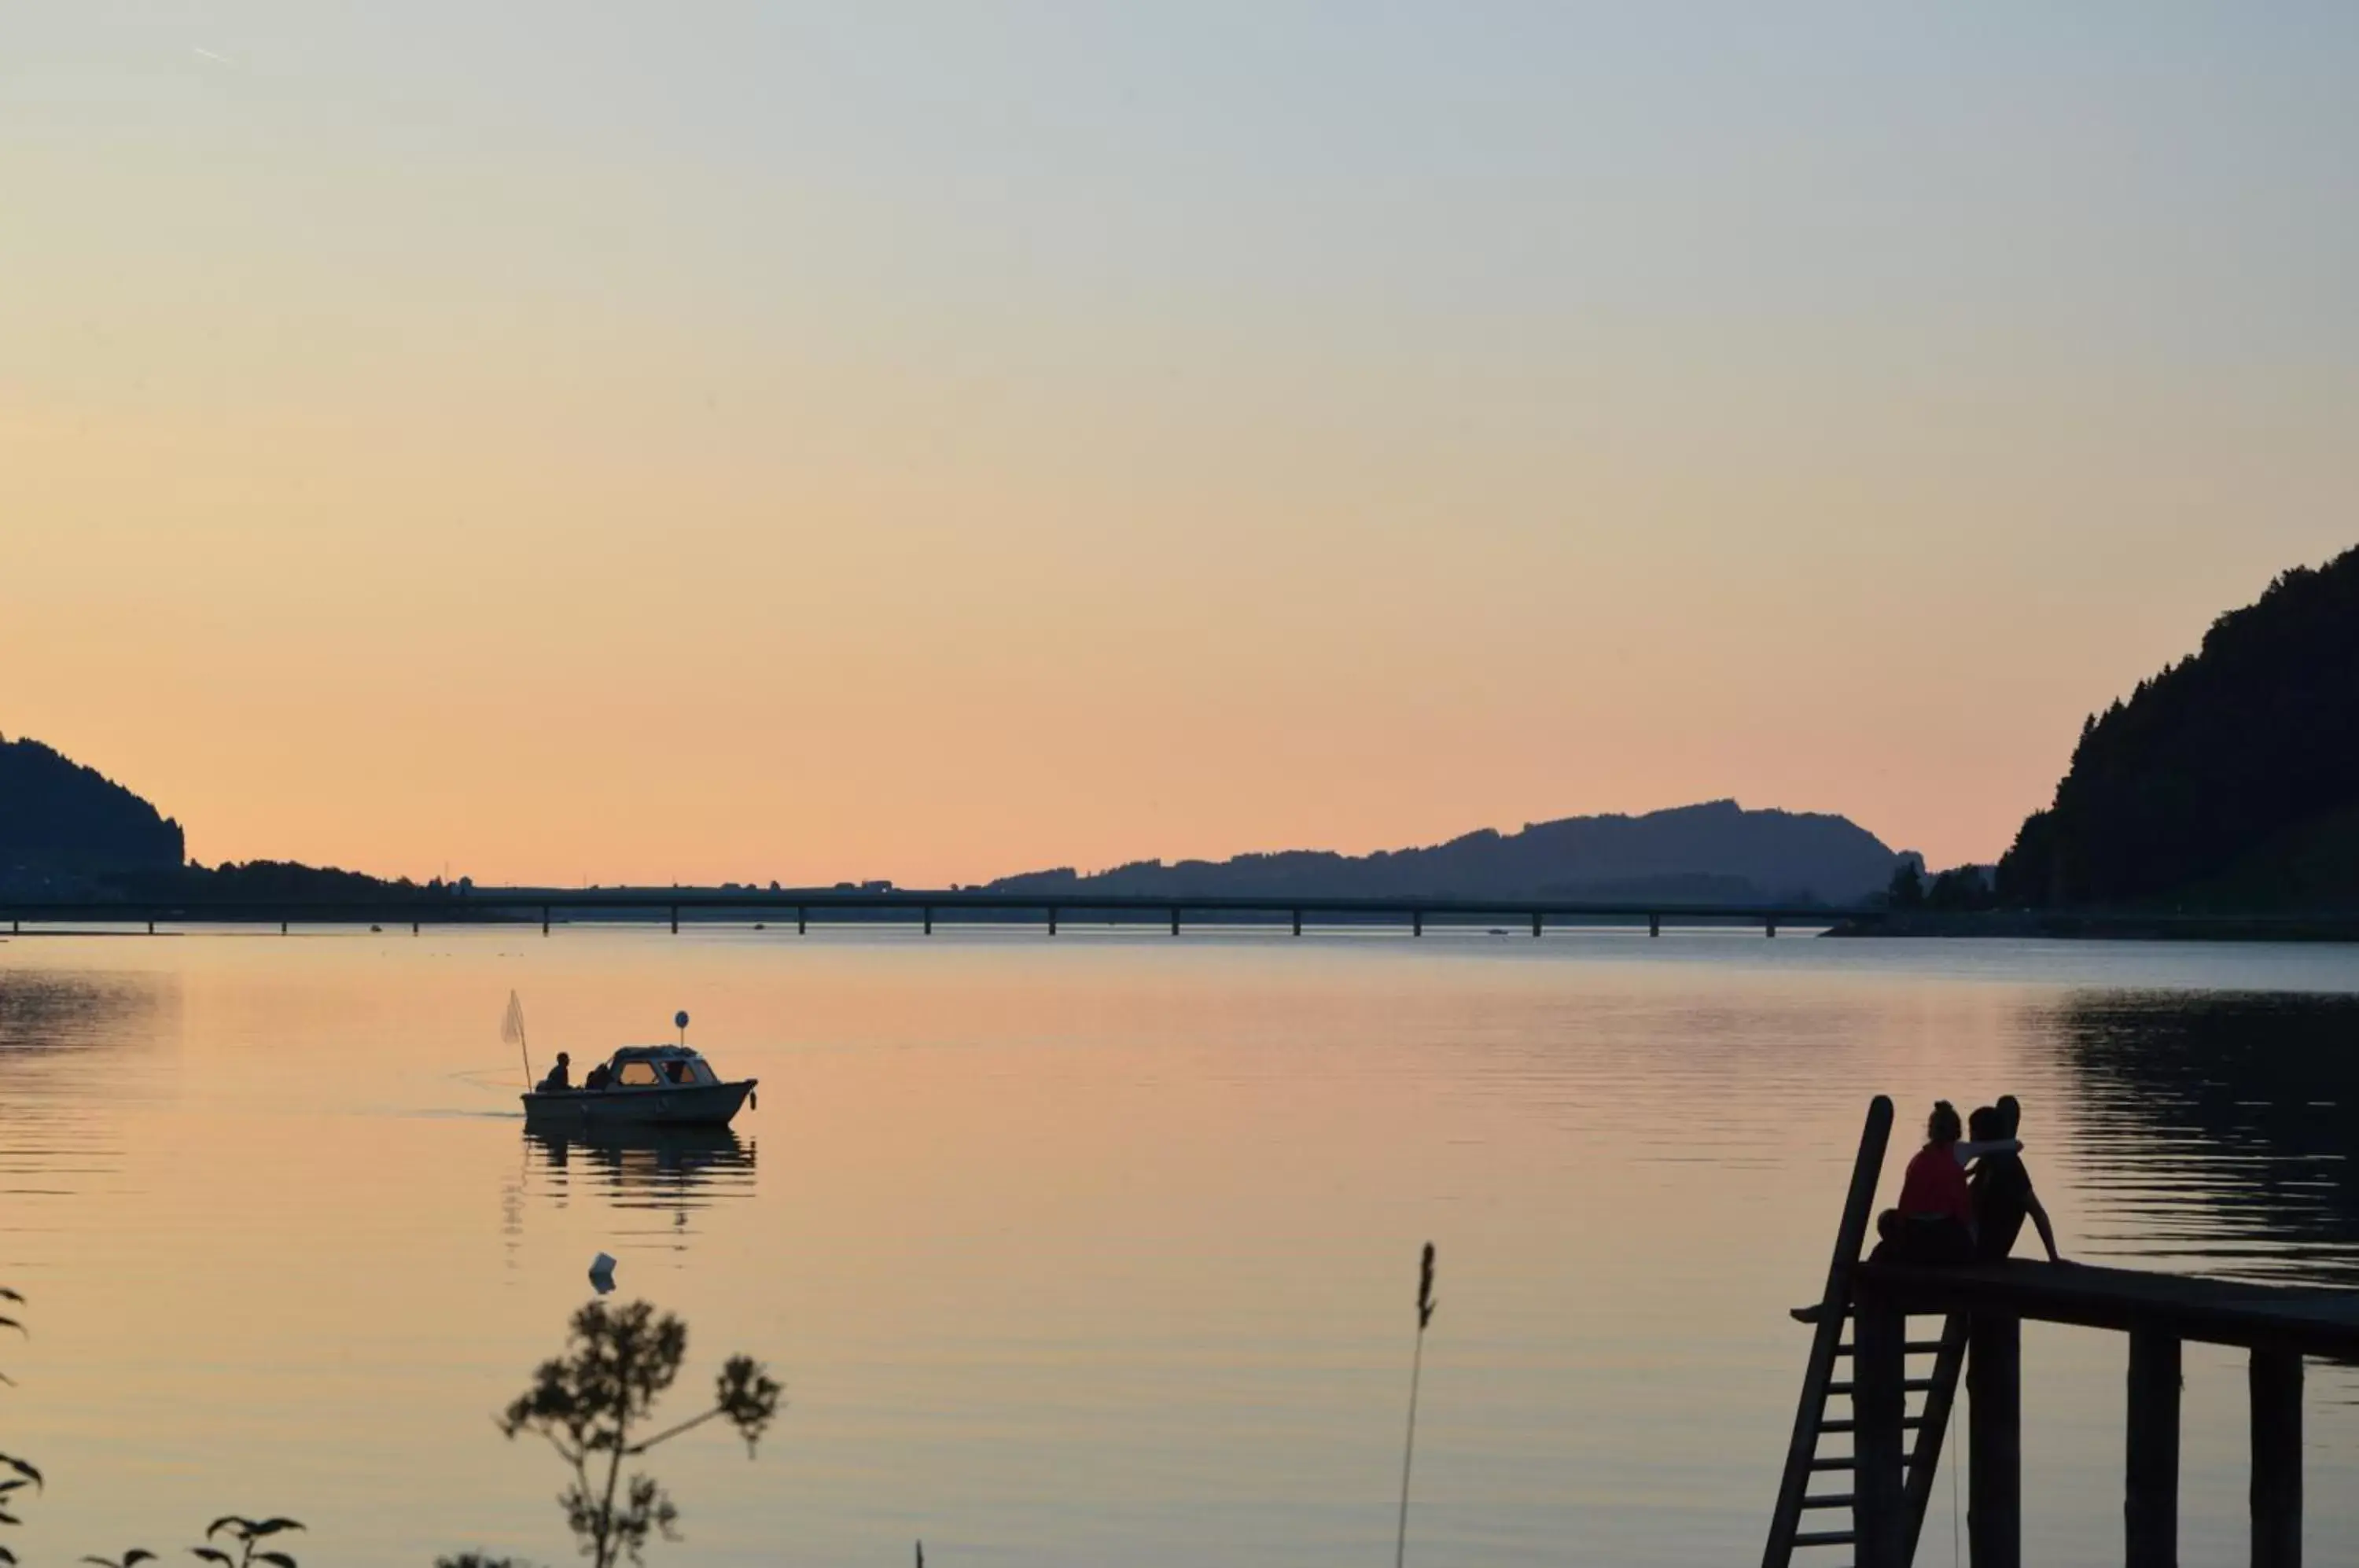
(600, 442)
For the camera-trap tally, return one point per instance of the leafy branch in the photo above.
(588, 1404)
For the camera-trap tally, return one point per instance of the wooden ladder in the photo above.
(1820, 1386)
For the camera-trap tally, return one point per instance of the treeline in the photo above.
(61, 820)
(2233, 771)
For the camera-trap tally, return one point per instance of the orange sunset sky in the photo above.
(933, 440)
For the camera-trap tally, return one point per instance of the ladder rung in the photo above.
(1907, 1385)
(1825, 1538)
(1913, 1347)
(1846, 1424)
(1845, 1463)
(1831, 1501)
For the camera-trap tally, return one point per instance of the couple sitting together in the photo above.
(1946, 1216)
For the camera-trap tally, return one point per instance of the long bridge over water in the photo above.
(922, 908)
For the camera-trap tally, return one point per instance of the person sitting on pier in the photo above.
(560, 1076)
(2002, 1187)
(1935, 1220)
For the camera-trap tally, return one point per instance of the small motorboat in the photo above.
(647, 1085)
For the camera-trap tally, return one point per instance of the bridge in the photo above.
(924, 908)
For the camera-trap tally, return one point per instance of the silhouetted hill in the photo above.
(1717, 853)
(2231, 778)
(67, 832)
(62, 824)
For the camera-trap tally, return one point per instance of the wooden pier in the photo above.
(1983, 1307)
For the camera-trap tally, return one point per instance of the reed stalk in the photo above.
(1425, 1304)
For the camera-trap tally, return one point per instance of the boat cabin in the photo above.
(657, 1067)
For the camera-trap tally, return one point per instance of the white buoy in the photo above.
(602, 1273)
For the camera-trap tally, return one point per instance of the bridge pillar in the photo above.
(2151, 1498)
(1994, 1440)
(1879, 1403)
(2276, 1459)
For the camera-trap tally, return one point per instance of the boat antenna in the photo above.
(681, 1018)
(512, 1031)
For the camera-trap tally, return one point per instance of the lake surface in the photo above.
(1104, 1249)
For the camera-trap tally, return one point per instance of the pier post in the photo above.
(1770, 926)
(151, 928)
(544, 920)
(802, 920)
(1879, 1401)
(930, 920)
(1175, 919)
(1052, 920)
(2150, 1497)
(282, 928)
(1536, 922)
(1416, 923)
(1654, 925)
(675, 920)
(2277, 1458)
(1994, 1440)
(1298, 922)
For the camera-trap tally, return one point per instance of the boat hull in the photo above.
(661, 1105)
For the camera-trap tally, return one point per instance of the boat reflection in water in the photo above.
(674, 1171)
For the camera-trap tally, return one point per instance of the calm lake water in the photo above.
(1104, 1249)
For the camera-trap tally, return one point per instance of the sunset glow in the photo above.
(572, 443)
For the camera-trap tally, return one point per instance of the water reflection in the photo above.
(2218, 1130)
(672, 1171)
(59, 1033)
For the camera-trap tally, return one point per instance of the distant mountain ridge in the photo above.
(1714, 852)
(62, 824)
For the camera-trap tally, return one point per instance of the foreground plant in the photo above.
(588, 1404)
(22, 1473)
(1425, 1304)
(248, 1534)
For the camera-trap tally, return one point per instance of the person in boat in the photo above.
(598, 1077)
(560, 1076)
(1934, 1222)
(2002, 1187)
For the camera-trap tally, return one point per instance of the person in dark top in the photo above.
(2002, 1189)
(598, 1077)
(560, 1076)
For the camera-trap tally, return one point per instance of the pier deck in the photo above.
(2307, 1319)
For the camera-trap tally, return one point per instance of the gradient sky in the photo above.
(930, 441)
